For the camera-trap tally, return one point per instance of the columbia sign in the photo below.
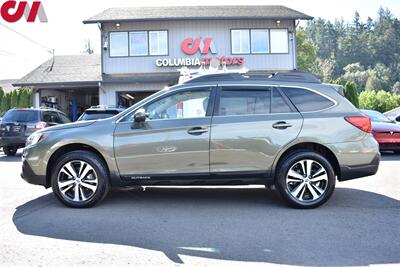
(13, 11)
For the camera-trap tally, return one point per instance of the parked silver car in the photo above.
(288, 129)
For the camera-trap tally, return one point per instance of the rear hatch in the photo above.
(19, 123)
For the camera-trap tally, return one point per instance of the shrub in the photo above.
(381, 101)
(350, 92)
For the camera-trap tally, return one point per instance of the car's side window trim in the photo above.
(239, 87)
(287, 101)
(210, 88)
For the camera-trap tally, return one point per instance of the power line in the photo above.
(49, 50)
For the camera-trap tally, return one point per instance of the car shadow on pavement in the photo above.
(388, 156)
(355, 227)
(16, 158)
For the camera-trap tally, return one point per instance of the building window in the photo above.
(279, 41)
(138, 43)
(240, 41)
(118, 44)
(158, 43)
(259, 41)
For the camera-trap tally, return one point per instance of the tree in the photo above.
(350, 92)
(88, 47)
(306, 52)
(6, 102)
(1, 96)
(357, 74)
(396, 88)
(14, 99)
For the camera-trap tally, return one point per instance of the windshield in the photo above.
(97, 115)
(21, 116)
(376, 116)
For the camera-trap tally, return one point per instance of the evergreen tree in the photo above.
(350, 92)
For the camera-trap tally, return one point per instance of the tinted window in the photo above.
(306, 100)
(279, 104)
(244, 102)
(21, 116)
(191, 104)
(398, 118)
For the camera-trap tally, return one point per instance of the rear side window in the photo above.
(21, 116)
(244, 102)
(306, 100)
(279, 104)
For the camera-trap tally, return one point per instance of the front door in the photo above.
(174, 139)
(251, 124)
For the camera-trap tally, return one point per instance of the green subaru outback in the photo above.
(287, 130)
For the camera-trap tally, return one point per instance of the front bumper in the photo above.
(353, 172)
(18, 141)
(29, 175)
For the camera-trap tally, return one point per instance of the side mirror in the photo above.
(140, 115)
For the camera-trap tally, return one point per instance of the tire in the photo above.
(82, 170)
(10, 150)
(299, 188)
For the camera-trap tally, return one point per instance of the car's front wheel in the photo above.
(10, 150)
(80, 179)
(305, 179)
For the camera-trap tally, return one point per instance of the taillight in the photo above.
(40, 125)
(361, 122)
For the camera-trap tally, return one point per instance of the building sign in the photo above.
(12, 11)
(192, 46)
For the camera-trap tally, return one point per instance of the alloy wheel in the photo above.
(77, 181)
(307, 180)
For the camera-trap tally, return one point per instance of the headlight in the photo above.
(35, 138)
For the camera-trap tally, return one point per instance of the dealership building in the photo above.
(143, 50)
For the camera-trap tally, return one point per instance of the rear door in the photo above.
(250, 125)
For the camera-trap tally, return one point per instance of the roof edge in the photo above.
(89, 21)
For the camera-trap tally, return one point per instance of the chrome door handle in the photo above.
(197, 130)
(281, 125)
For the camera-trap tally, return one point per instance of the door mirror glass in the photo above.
(140, 115)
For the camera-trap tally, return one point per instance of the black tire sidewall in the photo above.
(283, 169)
(10, 150)
(102, 176)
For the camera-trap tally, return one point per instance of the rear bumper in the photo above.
(353, 172)
(18, 141)
(28, 175)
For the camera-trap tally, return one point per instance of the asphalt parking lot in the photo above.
(360, 225)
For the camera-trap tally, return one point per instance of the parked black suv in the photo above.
(19, 123)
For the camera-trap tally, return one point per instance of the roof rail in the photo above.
(292, 76)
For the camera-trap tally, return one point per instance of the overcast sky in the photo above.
(66, 33)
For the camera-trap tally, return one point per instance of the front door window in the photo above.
(192, 104)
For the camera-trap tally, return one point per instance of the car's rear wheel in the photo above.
(80, 179)
(10, 150)
(305, 179)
